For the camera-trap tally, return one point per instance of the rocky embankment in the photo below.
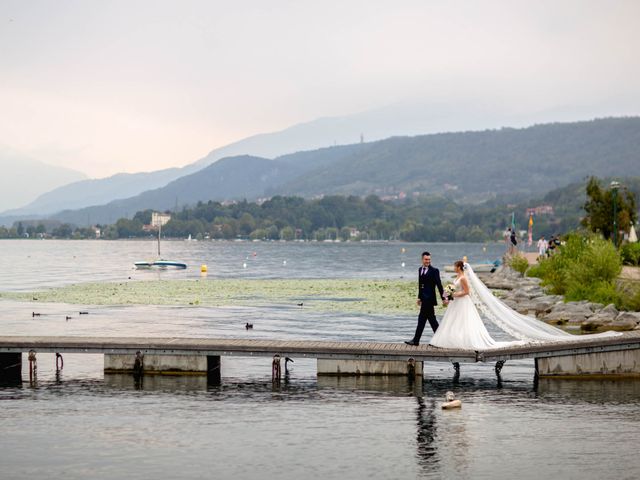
(525, 295)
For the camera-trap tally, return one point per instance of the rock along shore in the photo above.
(526, 296)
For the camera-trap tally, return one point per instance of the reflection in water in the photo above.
(156, 382)
(426, 435)
(589, 391)
(391, 384)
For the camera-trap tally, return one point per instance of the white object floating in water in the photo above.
(402, 264)
(244, 265)
(451, 402)
(284, 262)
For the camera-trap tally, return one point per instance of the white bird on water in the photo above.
(451, 402)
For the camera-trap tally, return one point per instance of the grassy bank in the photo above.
(357, 296)
(587, 267)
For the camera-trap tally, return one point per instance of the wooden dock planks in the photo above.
(308, 348)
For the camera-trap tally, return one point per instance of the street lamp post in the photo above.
(614, 192)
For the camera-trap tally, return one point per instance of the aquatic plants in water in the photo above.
(351, 295)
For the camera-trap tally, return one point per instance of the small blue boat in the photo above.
(160, 263)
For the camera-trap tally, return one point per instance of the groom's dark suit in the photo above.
(428, 280)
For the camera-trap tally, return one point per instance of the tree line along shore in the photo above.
(437, 218)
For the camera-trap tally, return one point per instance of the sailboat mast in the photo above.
(159, 230)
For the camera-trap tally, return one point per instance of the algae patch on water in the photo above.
(353, 295)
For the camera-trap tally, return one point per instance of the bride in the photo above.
(462, 327)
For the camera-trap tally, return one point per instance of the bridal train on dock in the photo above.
(462, 326)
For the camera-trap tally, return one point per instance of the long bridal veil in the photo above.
(515, 324)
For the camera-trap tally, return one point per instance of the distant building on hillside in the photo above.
(157, 221)
(160, 219)
(540, 210)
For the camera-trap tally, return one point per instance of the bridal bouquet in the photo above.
(448, 291)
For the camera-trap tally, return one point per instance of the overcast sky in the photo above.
(109, 86)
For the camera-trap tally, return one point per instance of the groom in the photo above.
(428, 280)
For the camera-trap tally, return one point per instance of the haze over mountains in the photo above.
(410, 118)
(470, 166)
(22, 178)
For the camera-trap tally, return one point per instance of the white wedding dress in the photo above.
(462, 328)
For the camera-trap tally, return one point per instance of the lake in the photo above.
(83, 424)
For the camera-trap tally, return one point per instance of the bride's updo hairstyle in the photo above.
(459, 264)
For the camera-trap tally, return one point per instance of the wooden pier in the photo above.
(615, 356)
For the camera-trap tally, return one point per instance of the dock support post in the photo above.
(214, 375)
(275, 369)
(411, 368)
(10, 368)
(33, 366)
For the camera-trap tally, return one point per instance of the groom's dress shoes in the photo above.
(412, 343)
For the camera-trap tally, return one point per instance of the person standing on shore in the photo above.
(507, 239)
(513, 240)
(428, 281)
(542, 247)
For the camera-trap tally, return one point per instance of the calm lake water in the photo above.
(82, 424)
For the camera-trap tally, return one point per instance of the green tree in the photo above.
(128, 228)
(345, 233)
(287, 233)
(63, 231)
(246, 224)
(599, 209)
(144, 216)
(258, 234)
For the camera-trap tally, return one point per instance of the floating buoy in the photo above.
(284, 262)
(244, 265)
(254, 254)
(451, 402)
(203, 268)
(402, 264)
(402, 250)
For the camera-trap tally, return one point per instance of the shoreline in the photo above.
(526, 296)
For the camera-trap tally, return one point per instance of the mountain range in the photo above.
(24, 177)
(407, 118)
(468, 166)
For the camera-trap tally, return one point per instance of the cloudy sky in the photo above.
(113, 86)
